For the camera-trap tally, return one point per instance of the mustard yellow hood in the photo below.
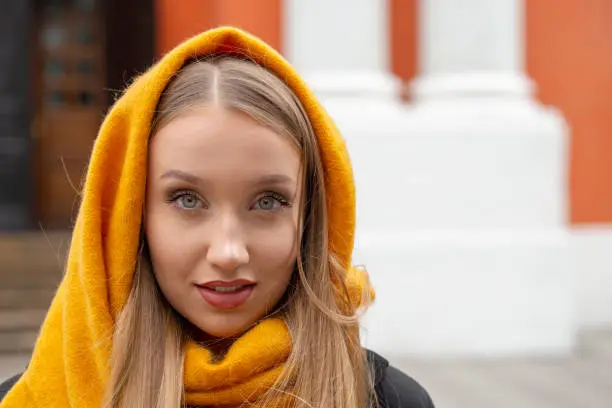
(69, 366)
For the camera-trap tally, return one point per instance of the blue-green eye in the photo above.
(268, 204)
(187, 201)
(271, 202)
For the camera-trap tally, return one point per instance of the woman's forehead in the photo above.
(217, 142)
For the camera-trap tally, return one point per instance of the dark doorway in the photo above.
(85, 52)
(15, 114)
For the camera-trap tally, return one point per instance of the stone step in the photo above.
(26, 298)
(33, 264)
(31, 268)
(12, 364)
(28, 280)
(32, 260)
(33, 253)
(18, 341)
(19, 329)
(21, 319)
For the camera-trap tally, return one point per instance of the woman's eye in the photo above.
(188, 201)
(270, 203)
(267, 204)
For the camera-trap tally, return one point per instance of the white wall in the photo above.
(592, 263)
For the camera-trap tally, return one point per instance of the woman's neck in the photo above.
(218, 346)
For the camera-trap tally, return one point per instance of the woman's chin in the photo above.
(223, 328)
(224, 332)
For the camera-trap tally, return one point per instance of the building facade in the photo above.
(486, 119)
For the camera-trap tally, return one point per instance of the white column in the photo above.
(473, 46)
(340, 47)
(463, 208)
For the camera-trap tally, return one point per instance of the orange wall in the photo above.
(177, 21)
(569, 55)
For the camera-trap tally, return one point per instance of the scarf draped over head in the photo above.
(69, 365)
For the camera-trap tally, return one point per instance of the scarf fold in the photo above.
(69, 365)
(250, 367)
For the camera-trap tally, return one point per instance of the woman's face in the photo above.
(221, 217)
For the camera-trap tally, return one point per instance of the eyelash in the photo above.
(172, 198)
(282, 200)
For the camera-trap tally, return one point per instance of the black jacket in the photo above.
(394, 389)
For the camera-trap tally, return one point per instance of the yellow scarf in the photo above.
(69, 366)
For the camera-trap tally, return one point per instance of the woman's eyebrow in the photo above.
(262, 180)
(182, 175)
(274, 179)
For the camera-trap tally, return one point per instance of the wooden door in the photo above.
(69, 73)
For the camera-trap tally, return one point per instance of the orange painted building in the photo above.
(83, 53)
(72, 58)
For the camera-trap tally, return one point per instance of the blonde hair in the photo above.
(327, 367)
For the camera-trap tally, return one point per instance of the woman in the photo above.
(225, 279)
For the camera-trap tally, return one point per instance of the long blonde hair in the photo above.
(327, 367)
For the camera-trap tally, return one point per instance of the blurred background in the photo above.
(481, 138)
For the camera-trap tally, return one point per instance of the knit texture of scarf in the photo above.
(69, 365)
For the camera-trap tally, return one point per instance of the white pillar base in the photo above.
(474, 83)
(460, 293)
(592, 263)
(461, 211)
(362, 84)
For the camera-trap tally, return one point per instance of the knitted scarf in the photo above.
(69, 365)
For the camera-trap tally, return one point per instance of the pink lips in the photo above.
(226, 294)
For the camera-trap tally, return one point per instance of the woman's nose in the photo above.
(227, 249)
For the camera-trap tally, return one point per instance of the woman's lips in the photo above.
(226, 295)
